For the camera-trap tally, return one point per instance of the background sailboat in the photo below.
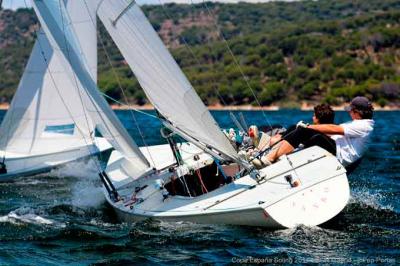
(47, 125)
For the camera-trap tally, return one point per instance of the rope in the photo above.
(220, 33)
(187, 46)
(129, 106)
(80, 47)
(76, 81)
(203, 187)
(219, 167)
(196, 58)
(231, 53)
(183, 180)
(74, 74)
(90, 98)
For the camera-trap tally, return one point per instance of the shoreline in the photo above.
(218, 107)
(304, 107)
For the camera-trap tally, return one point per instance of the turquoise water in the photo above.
(61, 219)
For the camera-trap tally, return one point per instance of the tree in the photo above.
(272, 92)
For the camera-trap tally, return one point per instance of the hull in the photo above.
(273, 203)
(249, 217)
(20, 165)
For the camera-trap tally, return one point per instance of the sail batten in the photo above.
(160, 76)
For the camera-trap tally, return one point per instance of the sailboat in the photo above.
(46, 126)
(203, 180)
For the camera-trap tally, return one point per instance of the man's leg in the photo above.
(283, 148)
(322, 141)
(292, 140)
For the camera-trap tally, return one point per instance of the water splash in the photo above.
(82, 169)
(86, 190)
(27, 215)
(366, 197)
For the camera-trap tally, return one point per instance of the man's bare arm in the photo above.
(329, 129)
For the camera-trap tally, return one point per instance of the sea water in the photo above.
(61, 218)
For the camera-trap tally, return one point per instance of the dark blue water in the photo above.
(61, 218)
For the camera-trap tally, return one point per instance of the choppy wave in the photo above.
(65, 220)
(368, 198)
(86, 191)
(27, 215)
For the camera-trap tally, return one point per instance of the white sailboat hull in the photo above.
(322, 194)
(19, 165)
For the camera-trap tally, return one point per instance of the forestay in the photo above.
(56, 24)
(45, 115)
(159, 75)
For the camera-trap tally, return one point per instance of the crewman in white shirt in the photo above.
(347, 141)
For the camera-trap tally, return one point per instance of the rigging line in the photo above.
(129, 106)
(8, 127)
(136, 31)
(100, 112)
(57, 89)
(59, 94)
(187, 46)
(210, 47)
(142, 42)
(141, 38)
(11, 110)
(118, 79)
(85, 61)
(114, 22)
(74, 74)
(221, 34)
(93, 139)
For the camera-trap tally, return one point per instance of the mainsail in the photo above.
(56, 22)
(160, 76)
(45, 115)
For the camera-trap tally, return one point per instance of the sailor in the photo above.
(347, 141)
(323, 114)
(252, 142)
(235, 137)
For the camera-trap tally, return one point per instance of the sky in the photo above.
(14, 4)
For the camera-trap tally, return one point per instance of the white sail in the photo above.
(159, 75)
(44, 116)
(56, 24)
(82, 15)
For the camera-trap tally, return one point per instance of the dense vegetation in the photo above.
(288, 52)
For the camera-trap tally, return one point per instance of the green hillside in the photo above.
(295, 52)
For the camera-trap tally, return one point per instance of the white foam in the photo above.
(368, 198)
(86, 191)
(79, 169)
(87, 194)
(27, 215)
